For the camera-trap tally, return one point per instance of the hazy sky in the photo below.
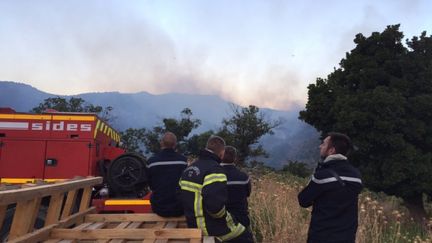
(261, 52)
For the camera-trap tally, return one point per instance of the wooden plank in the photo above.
(86, 226)
(134, 225)
(130, 217)
(160, 225)
(122, 225)
(68, 241)
(69, 204)
(35, 236)
(82, 226)
(17, 195)
(86, 198)
(98, 225)
(52, 241)
(2, 214)
(44, 233)
(54, 209)
(33, 215)
(24, 216)
(169, 225)
(209, 239)
(74, 218)
(79, 227)
(126, 234)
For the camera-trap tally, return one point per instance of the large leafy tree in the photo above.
(244, 129)
(180, 127)
(73, 105)
(133, 139)
(381, 96)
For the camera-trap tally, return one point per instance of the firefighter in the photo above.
(204, 195)
(239, 189)
(165, 169)
(333, 194)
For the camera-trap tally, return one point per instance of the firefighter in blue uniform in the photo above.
(165, 169)
(239, 189)
(204, 195)
(333, 194)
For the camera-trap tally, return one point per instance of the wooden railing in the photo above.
(62, 199)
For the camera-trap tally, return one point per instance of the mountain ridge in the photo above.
(143, 109)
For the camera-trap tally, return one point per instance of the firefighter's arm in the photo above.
(215, 195)
(313, 190)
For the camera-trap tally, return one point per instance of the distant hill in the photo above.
(293, 140)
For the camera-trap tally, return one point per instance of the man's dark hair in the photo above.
(230, 154)
(216, 144)
(341, 143)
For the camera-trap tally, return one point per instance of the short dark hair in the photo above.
(341, 142)
(230, 154)
(216, 144)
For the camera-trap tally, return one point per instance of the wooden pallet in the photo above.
(146, 228)
(63, 225)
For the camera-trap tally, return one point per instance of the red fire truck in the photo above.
(57, 146)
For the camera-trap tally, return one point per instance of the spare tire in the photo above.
(127, 175)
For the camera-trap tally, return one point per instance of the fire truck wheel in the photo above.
(126, 171)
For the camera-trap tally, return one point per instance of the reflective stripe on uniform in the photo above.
(198, 205)
(215, 177)
(235, 229)
(167, 163)
(238, 182)
(190, 186)
(332, 179)
(219, 214)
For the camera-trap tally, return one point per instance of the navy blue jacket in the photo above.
(165, 169)
(333, 193)
(204, 195)
(239, 189)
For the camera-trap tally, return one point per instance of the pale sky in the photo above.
(261, 52)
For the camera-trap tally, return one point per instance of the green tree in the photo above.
(381, 96)
(243, 130)
(73, 105)
(180, 127)
(133, 139)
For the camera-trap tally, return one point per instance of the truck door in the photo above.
(22, 159)
(67, 159)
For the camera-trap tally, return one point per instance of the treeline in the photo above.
(242, 129)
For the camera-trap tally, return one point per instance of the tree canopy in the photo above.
(73, 105)
(381, 96)
(243, 130)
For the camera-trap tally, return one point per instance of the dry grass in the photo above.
(277, 217)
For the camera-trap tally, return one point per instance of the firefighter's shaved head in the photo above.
(217, 145)
(169, 140)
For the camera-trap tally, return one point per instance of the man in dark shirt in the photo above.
(165, 169)
(204, 195)
(239, 189)
(333, 194)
